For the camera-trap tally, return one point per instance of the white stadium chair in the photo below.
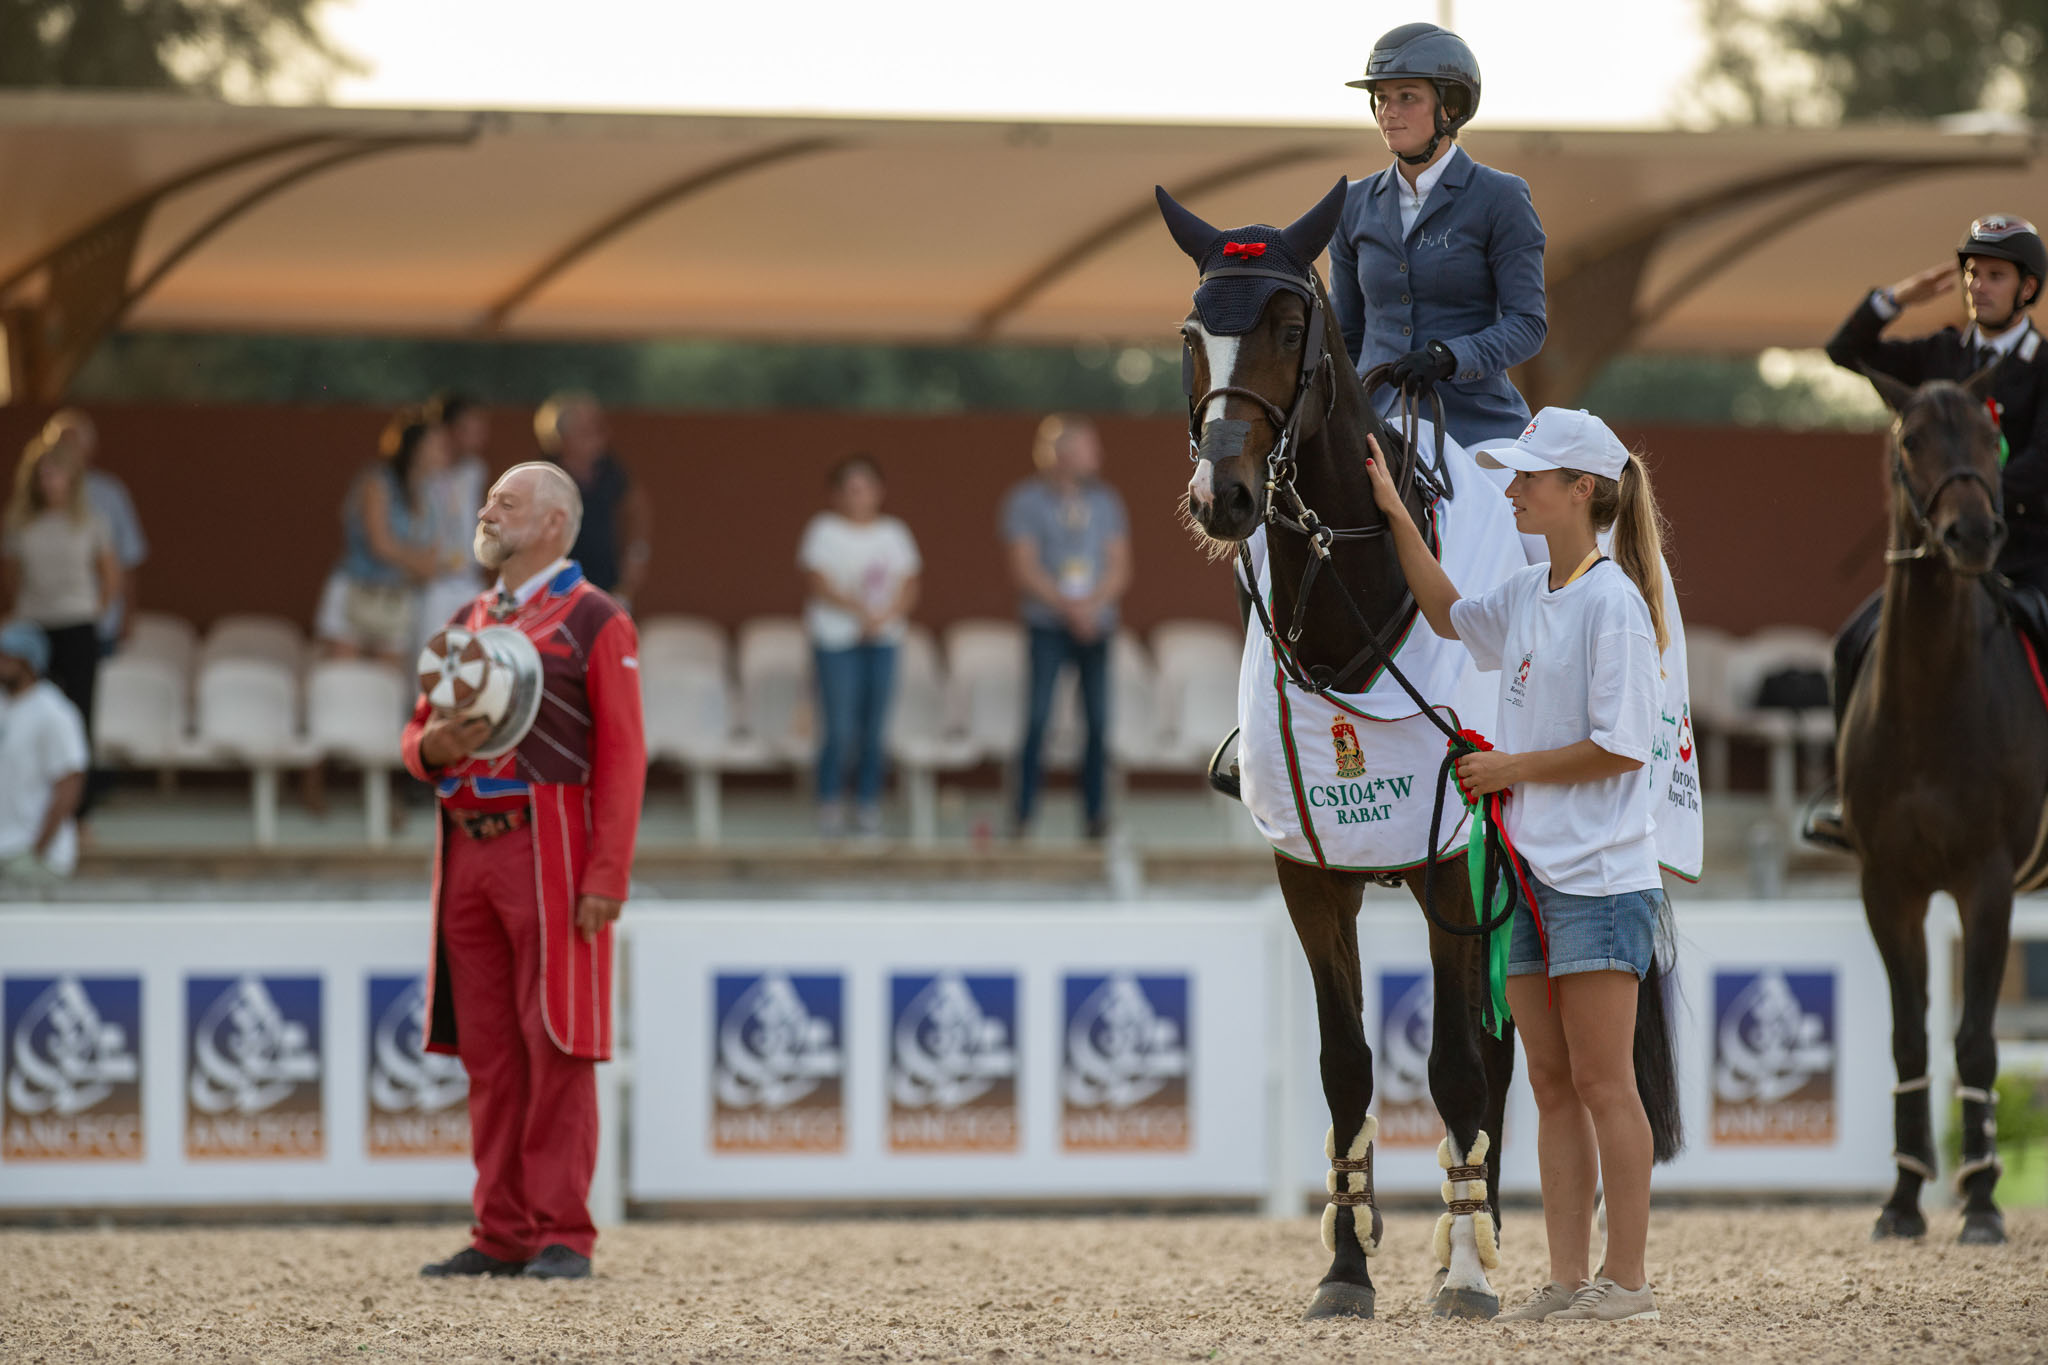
(1713, 706)
(1137, 722)
(923, 740)
(688, 716)
(1788, 733)
(139, 710)
(1198, 667)
(775, 689)
(683, 640)
(351, 710)
(248, 716)
(161, 636)
(270, 638)
(985, 666)
(1182, 648)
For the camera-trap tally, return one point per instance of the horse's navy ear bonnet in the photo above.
(1242, 267)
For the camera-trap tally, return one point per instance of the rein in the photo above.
(1433, 482)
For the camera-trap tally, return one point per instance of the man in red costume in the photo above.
(534, 853)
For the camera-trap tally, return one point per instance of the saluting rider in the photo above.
(2000, 264)
(531, 865)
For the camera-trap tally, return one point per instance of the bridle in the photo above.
(1923, 510)
(1286, 509)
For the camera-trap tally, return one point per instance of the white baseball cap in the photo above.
(1561, 438)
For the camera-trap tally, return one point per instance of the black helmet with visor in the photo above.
(1424, 52)
(2007, 237)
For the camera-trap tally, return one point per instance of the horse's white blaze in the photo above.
(1222, 355)
(1202, 487)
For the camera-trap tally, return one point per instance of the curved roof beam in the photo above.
(697, 182)
(1107, 233)
(269, 189)
(149, 198)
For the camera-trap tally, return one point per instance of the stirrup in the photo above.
(1823, 824)
(1221, 777)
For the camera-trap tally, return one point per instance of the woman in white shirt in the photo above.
(1577, 643)
(862, 571)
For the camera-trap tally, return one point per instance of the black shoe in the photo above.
(470, 1261)
(1824, 825)
(557, 1262)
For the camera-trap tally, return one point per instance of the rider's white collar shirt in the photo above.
(528, 590)
(2004, 343)
(1412, 199)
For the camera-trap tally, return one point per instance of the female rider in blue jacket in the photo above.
(1437, 263)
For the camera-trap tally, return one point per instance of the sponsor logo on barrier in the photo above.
(1774, 1058)
(952, 1063)
(778, 1063)
(1400, 1073)
(253, 1085)
(417, 1101)
(1124, 1070)
(73, 1068)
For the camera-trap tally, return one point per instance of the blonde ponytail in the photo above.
(1630, 506)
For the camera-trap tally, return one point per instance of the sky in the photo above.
(1544, 62)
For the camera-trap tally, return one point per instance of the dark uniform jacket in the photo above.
(2020, 387)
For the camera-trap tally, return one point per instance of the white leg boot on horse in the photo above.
(1350, 1182)
(1465, 1245)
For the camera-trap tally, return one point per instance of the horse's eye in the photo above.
(1292, 336)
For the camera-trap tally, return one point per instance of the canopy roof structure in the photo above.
(165, 212)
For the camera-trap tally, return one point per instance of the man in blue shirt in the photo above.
(1070, 556)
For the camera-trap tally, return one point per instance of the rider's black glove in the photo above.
(1418, 371)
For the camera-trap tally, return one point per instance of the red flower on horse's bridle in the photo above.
(1244, 248)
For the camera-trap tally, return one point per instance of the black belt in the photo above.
(484, 825)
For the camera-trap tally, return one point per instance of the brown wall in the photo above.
(240, 506)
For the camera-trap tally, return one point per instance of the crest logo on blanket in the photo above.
(778, 1067)
(952, 1063)
(1124, 1070)
(1774, 1058)
(73, 1088)
(253, 1078)
(1400, 1072)
(1350, 758)
(416, 1101)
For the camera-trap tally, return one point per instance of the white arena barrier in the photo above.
(182, 1056)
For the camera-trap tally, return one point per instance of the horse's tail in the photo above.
(1656, 1066)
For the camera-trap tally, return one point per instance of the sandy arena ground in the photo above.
(1797, 1285)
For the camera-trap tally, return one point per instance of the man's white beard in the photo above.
(492, 550)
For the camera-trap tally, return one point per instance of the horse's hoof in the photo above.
(1985, 1228)
(1472, 1304)
(1339, 1299)
(1891, 1223)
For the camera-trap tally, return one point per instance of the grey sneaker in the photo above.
(1605, 1301)
(1541, 1303)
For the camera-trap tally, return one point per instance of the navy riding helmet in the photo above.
(1424, 52)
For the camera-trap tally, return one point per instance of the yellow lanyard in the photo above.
(1593, 557)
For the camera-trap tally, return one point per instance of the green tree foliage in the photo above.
(217, 47)
(1823, 61)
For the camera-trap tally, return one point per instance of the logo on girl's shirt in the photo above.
(1518, 690)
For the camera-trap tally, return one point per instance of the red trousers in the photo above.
(532, 1107)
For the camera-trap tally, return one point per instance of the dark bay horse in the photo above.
(1944, 774)
(1265, 360)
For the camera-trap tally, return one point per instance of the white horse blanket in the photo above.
(1348, 781)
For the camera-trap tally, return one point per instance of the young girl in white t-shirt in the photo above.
(1577, 642)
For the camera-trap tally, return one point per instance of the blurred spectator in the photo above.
(862, 571)
(42, 763)
(1070, 556)
(60, 565)
(618, 522)
(108, 497)
(388, 546)
(454, 497)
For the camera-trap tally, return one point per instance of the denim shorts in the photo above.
(1586, 933)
